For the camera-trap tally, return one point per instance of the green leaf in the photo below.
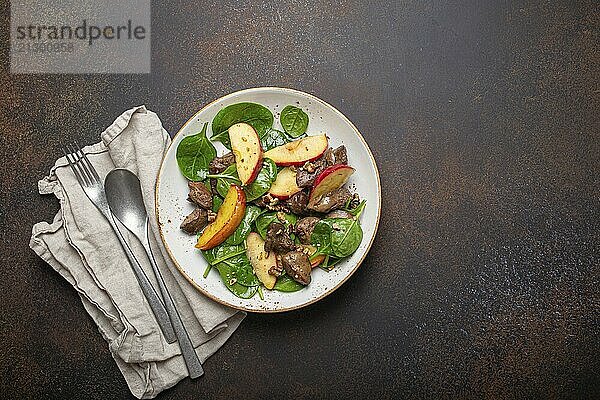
(260, 293)
(265, 178)
(234, 268)
(228, 275)
(321, 237)
(274, 138)
(356, 211)
(256, 115)
(333, 261)
(286, 284)
(261, 185)
(264, 220)
(242, 231)
(242, 270)
(294, 121)
(222, 137)
(339, 237)
(222, 252)
(226, 179)
(194, 153)
(217, 201)
(346, 236)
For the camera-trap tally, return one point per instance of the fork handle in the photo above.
(154, 301)
(190, 356)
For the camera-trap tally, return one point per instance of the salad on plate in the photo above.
(273, 207)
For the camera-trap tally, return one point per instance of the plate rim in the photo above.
(240, 307)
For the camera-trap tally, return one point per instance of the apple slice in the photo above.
(228, 218)
(299, 151)
(330, 179)
(260, 260)
(285, 184)
(247, 151)
(318, 259)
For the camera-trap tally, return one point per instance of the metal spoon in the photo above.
(124, 194)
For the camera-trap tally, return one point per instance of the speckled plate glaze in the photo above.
(172, 206)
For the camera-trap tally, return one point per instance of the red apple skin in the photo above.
(280, 197)
(317, 261)
(257, 168)
(219, 230)
(288, 163)
(326, 173)
(258, 164)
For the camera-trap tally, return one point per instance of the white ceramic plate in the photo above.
(172, 206)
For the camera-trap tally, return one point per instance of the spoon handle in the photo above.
(148, 290)
(190, 357)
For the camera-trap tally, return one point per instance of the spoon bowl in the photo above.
(124, 196)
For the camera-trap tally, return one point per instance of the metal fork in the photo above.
(94, 189)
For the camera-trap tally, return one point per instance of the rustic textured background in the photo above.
(484, 278)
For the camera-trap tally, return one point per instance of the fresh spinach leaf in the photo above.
(256, 115)
(193, 155)
(229, 278)
(222, 252)
(261, 185)
(234, 268)
(207, 271)
(329, 262)
(264, 220)
(346, 235)
(274, 138)
(227, 178)
(260, 292)
(338, 237)
(286, 284)
(222, 137)
(294, 121)
(242, 270)
(333, 261)
(242, 231)
(356, 211)
(265, 178)
(217, 201)
(321, 237)
(325, 264)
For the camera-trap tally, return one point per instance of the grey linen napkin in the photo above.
(81, 246)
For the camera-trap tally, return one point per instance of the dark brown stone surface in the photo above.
(483, 281)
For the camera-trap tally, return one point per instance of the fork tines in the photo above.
(82, 167)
